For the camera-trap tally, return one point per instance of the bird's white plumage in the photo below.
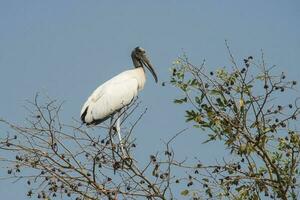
(113, 95)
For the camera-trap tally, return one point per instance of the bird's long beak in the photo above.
(147, 63)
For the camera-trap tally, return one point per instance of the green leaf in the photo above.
(205, 179)
(194, 82)
(198, 100)
(215, 92)
(220, 102)
(184, 192)
(211, 138)
(180, 101)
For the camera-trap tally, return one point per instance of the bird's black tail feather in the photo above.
(82, 117)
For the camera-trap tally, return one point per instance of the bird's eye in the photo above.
(139, 50)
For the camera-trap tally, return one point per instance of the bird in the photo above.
(118, 92)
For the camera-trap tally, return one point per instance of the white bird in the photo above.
(118, 92)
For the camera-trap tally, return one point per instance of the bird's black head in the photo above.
(140, 59)
(137, 55)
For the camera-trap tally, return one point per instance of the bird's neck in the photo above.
(141, 77)
(140, 70)
(136, 63)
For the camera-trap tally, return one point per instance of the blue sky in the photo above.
(65, 49)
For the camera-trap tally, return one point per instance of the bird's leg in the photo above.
(118, 127)
(111, 130)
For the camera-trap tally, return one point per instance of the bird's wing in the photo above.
(98, 92)
(95, 95)
(115, 97)
(109, 98)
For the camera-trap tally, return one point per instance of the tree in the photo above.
(236, 107)
(71, 161)
(242, 109)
